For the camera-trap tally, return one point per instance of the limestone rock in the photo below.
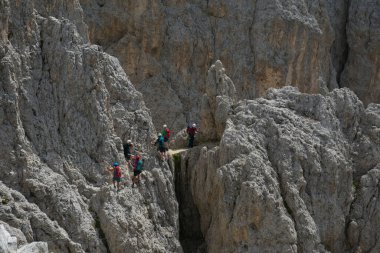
(34, 247)
(281, 178)
(28, 223)
(366, 149)
(361, 72)
(166, 48)
(66, 109)
(338, 11)
(217, 102)
(292, 172)
(139, 219)
(365, 213)
(8, 243)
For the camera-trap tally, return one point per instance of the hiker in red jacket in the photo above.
(191, 131)
(166, 134)
(116, 175)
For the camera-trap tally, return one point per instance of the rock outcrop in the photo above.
(8, 244)
(283, 178)
(217, 103)
(365, 213)
(66, 109)
(218, 100)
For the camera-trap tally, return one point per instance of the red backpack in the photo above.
(117, 172)
(167, 133)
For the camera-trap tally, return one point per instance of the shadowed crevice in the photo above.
(190, 235)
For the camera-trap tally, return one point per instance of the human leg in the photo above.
(191, 141)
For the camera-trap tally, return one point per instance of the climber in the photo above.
(191, 131)
(137, 170)
(116, 175)
(128, 148)
(161, 146)
(166, 134)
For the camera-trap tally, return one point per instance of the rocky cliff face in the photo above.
(289, 172)
(292, 173)
(166, 48)
(66, 109)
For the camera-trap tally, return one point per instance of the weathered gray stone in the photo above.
(291, 173)
(27, 222)
(66, 109)
(365, 213)
(217, 103)
(366, 147)
(281, 178)
(218, 100)
(8, 243)
(141, 219)
(34, 247)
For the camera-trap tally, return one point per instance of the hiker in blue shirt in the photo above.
(161, 146)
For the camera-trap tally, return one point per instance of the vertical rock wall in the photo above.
(338, 16)
(167, 48)
(362, 70)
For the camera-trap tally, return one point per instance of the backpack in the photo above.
(161, 142)
(117, 172)
(127, 149)
(137, 159)
(191, 131)
(167, 133)
(139, 166)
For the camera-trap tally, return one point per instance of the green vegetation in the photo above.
(177, 160)
(355, 185)
(4, 200)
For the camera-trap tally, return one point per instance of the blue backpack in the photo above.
(161, 142)
(139, 166)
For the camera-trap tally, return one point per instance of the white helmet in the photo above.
(194, 125)
(159, 134)
(129, 141)
(164, 126)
